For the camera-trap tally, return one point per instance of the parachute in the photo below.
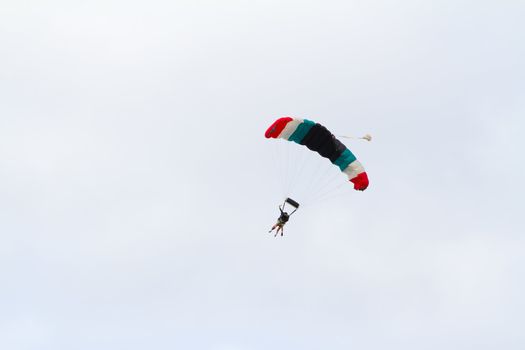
(319, 139)
(292, 204)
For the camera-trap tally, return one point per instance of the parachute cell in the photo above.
(319, 139)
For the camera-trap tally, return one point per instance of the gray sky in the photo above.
(136, 187)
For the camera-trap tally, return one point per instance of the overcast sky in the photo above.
(137, 188)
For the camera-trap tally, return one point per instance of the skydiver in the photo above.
(281, 221)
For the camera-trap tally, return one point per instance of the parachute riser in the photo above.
(292, 203)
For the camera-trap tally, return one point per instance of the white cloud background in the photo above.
(136, 187)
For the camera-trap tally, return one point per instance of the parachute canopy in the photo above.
(319, 139)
